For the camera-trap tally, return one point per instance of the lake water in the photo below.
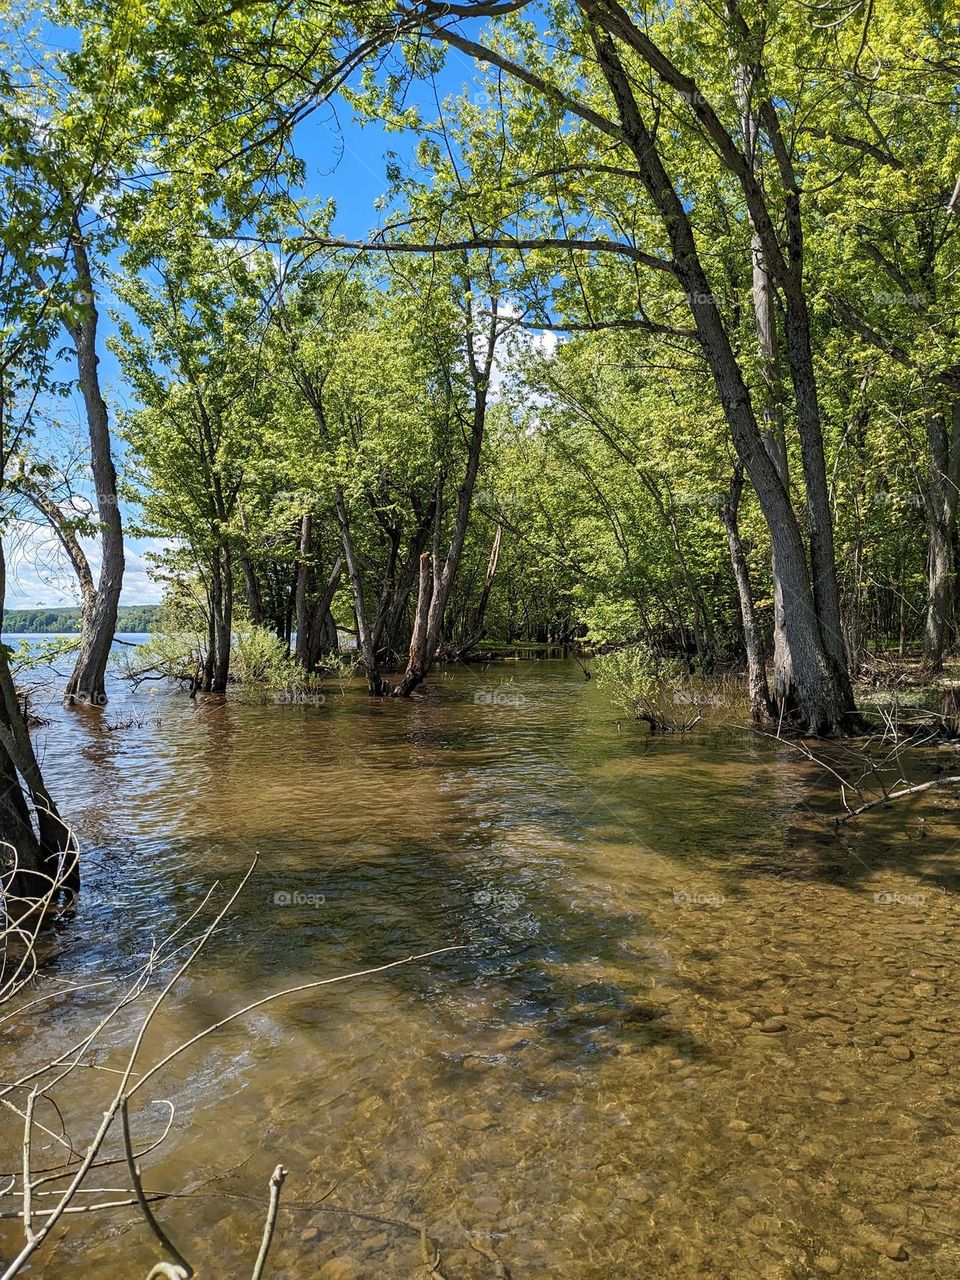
(695, 1030)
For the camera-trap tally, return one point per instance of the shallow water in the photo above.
(586, 1089)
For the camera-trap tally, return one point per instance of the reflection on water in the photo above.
(685, 1037)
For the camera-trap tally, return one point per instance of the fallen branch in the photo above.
(952, 780)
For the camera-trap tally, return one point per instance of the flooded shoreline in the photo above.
(694, 1029)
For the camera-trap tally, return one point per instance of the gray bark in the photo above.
(771, 408)
(87, 683)
(824, 702)
(757, 688)
(943, 444)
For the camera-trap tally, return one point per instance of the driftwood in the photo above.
(890, 796)
(870, 768)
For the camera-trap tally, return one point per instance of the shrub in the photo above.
(259, 656)
(644, 686)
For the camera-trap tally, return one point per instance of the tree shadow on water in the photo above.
(527, 971)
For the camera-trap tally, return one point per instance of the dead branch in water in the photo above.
(872, 769)
(952, 780)
(78, 1163)
(486, 1251)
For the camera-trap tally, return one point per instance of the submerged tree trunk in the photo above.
(302, 623)
(799, 350)
(23, 875)
(757, 688)
(824, 701)
(222, 619)
(39, 857)
(48, 856)
(943, 442)
(87, 683)
(419, 662)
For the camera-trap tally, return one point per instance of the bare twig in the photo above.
(165, 1241)
(179, 951)
(277, 1179)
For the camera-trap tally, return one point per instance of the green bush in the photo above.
(641, 684)
(174, 654)
(259, 656)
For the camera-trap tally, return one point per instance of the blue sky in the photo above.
(344, 161)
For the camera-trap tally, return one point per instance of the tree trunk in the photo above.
(940, 605)
(826, 593)
(478, 622)
(87, 683)
(376, 685)
(771, 408)
(757, 688)
(255, 610)
(329, 635)
(418, 660)
(251, 585)
(47, 856)
(66, 536)
(824, 699)
(393, 601)
(221, 604)
(302, 651)
(23, 875)
(774, 439)
(943, 442)
(419, 664)
(320, 630)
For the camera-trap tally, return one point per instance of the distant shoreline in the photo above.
(132, 619)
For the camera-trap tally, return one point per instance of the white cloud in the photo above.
(39, 574)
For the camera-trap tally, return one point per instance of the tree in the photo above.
(63, 156)
(590, 84)
(192, 363)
